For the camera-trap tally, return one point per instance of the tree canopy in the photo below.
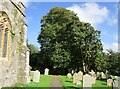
(67, 42)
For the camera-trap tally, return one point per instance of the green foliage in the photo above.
(34, 56)
(32, 49)
(19, 46)
(60, 56)
(15, 12)
(113, 62)
(12, 31)
(101, 62)
(67, 42)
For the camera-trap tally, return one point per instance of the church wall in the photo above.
(15, 67)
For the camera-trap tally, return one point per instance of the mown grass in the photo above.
(67, 84)
(45, 81)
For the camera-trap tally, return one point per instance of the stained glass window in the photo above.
(5, 43)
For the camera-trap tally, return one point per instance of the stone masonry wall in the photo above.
(16, 67)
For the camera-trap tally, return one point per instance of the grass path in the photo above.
(56, 83)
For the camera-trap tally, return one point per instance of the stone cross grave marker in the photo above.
(36, 77)
(46, 71)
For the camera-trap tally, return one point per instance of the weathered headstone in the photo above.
(98, 75)
(75, 78)
(103, 75)
(93, 80)
(116, 83)
(69, 75)
(72, 72)
(87, 81)
(46, 71)
(108, 76)
(36, 77)
(31, 75)
(109, 82)
(80, 75)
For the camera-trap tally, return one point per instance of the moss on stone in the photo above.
(12, 34)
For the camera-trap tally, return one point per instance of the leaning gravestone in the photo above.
(69, 75)
(109, 82)
(116, 83)
(46, 71)
(36, 77)
(80, 75)
(87, 81)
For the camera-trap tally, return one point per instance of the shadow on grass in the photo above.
(104, 80)
(68, 81)
(71, 87)
(101, 88)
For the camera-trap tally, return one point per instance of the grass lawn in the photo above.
(67, 83)
(101, 84)
(45, 81)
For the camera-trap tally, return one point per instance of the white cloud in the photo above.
(113, 46)
(90, 12)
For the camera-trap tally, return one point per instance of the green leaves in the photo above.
(67, 41)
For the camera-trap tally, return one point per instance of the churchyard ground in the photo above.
(67, 83)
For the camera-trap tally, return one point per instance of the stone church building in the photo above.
(14, 54)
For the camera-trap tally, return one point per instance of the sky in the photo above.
(103, 16)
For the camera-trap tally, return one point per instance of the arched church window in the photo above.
(4, 35)
(4, 52)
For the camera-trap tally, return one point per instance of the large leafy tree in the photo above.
(113, 62)
(67, 42)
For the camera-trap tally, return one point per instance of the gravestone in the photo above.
(109, 82)
(36, 77)
(93, 80)
(46, 71)
(75, 78)
(103, 75)
(87, 81)
(80, 75)
(78, 83)
(69, 75)
(72, 72)
(108, 76)
(31, 75)
(98, 75)
(116, 83)
(92, 73)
